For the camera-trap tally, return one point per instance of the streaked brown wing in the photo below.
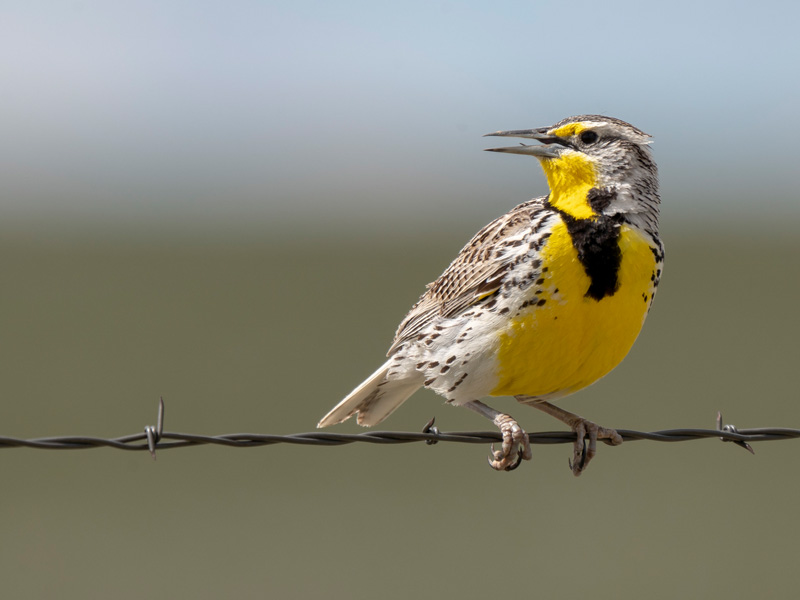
(477, 272)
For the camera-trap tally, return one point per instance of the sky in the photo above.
(352, 114)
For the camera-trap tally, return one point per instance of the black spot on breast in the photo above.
(658, 254)
(599, 199)
(597, 242)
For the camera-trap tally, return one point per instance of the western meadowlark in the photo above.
(543, 301)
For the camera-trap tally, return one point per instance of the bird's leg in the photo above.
(515, 447)
(581, 455)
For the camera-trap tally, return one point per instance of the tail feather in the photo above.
(374, 400)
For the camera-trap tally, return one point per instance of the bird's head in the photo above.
(594, 165)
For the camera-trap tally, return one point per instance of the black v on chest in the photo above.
(597, 242)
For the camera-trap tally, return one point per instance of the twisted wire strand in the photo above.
(154, 438)
(313, 438)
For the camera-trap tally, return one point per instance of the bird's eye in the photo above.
(588, 137)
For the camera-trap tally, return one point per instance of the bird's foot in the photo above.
(515, 447)
(582, 454)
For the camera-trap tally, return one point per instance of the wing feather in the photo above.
(476, 273)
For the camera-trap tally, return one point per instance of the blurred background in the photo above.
(233, 204)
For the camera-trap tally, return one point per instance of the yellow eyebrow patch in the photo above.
(568, 130)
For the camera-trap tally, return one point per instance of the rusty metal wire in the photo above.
(155, 438)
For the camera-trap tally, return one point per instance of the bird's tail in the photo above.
(374, 400)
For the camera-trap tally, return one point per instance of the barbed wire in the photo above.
(155, 438)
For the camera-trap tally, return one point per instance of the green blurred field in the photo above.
(265, 336)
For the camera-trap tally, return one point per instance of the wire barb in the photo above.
(732, 429)
(154, 433)
(431, 430)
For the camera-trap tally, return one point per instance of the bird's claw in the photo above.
(515, 447)
(496, 460)
(582, 454)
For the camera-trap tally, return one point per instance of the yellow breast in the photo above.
(571, 340)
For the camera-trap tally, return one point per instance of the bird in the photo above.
(541, 302)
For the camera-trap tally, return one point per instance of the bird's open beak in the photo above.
(551, 146)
